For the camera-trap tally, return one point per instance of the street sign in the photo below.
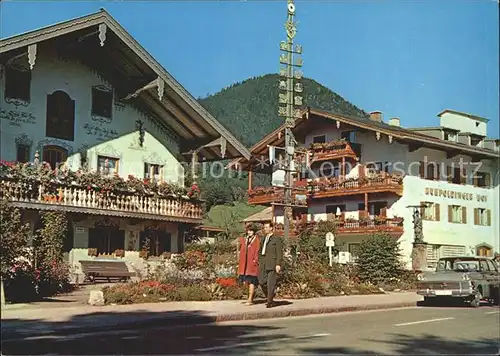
(330, 242)
(330, 239)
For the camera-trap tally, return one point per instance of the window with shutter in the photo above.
(438, 171)
(60, 119)
(422, 169)
(488, 216)
(429, 211)
(457, 214)
(17, 84)
(464, 215)
(437, 212)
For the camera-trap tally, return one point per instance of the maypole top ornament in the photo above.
(291, 7)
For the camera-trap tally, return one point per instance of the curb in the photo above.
(161, 321)
(276, 314)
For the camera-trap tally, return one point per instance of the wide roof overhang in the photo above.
(99, 41)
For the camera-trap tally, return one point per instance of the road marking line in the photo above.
(423, 321)
(234, 346)
(129, 337)
(493, 312)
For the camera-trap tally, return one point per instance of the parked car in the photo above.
(468, 278)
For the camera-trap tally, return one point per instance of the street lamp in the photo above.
(290, 101)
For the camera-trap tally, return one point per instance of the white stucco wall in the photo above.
(463, 123)
(117, 137)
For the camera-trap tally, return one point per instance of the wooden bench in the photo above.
(105, 270)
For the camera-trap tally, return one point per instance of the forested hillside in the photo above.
(250, 111)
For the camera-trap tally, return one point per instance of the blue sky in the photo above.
(409, 59)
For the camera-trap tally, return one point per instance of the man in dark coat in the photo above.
(270, 259)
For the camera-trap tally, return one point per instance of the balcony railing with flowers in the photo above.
(266, 195)
(338, 186)
(350, 226)
(38, 185)
(334, 150)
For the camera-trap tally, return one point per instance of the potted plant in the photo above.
(167, 255)
(119, 253)
(92, 252)
(143, 253)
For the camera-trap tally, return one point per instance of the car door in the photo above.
(493, 278)
(485, 278)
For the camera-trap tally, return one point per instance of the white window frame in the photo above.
(110, 173)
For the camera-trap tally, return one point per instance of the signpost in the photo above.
(330, 243)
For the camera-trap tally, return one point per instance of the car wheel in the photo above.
(476, 302)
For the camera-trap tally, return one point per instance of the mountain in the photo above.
(250, 109)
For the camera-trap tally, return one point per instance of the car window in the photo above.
(492, 266)
(484, 266)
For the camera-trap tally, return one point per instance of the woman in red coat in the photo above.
(248, 268)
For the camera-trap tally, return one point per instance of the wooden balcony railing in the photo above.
(351, 226)
(325, 187)
(335, 150)
(268, 195)
(338, 186)
(370, 226)
(80, 200)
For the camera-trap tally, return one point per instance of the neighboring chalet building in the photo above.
(366, 173)
(84, 92)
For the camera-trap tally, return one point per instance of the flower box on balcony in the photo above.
(119, 253)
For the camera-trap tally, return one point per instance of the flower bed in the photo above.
(306, 275)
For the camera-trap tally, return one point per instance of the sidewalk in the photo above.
(23, 321)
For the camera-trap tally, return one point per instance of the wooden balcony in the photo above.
(270, 195)
(335, 150)
(339, 186)
(80, 200)
(367, 226)
(392, 226)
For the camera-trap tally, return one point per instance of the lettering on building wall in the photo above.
(101, 133)
(17, 118)
(455, 195)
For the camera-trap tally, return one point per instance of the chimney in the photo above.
(376, 116)
(394, 121)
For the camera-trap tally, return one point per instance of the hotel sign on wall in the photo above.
(454, 194)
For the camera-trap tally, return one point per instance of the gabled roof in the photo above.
(406, 136)
(122, 58)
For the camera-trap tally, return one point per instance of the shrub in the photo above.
(15, 236)
(190, 259)
(21, 283)
(379, 259)
(312, 241)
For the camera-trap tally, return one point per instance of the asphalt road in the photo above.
(419, 330)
